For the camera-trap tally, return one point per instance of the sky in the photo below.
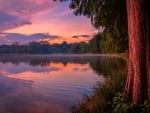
(24, 21)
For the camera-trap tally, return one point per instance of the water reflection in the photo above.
(50, 84)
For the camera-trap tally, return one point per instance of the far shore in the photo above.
(65, 55)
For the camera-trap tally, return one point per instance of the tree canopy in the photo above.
(111, 15)
(95, 43)
(44, 47)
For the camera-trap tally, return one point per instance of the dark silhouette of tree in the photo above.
(81, 47)
(95, 44)
(109, 15)
(44, 47)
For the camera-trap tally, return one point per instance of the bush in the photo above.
(119, 106)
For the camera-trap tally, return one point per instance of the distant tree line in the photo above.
(98, 44)
(44, 48)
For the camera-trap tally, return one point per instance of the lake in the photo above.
(51, 83)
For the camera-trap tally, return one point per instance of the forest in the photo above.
(98, 44)
(45, 48)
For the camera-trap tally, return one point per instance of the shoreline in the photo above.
(64, 55)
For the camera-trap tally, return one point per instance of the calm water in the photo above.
(50, 84)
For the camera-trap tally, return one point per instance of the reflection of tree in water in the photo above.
(108, 65)
(114, 71)
(44, 60)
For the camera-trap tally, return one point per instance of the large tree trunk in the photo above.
(148, 54)
(137, 87)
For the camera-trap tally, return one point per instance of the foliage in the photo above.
(109, 44)
(101, 100)
(119, 106)
(95, 44)
(108, 15)
(44, 48)
(108, 98)
(81, 47)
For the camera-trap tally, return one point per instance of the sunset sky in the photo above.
(24, 21)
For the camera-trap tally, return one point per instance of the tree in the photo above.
(108, 13)
(95, 44)
(81, 47)
(138, 78)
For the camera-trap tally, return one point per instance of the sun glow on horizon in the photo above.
(58, 20)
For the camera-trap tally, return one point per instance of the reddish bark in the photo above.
(148, 54)
(138, 78)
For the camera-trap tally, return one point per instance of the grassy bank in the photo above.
(109, 97)
(101, 100)
(124, 55)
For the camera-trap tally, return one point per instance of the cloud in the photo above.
(9, 38)
(16, 13)
(9, 21)
(80, 36)
(12, 69)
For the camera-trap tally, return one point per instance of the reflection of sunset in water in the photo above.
(54, 71)
(54, 87)
(38, 84)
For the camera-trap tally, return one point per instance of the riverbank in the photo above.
(124, 55)
(109, 97)
(102, 99)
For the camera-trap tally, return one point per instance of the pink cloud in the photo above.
(9, 38)
(41, 16)
(17, 13)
